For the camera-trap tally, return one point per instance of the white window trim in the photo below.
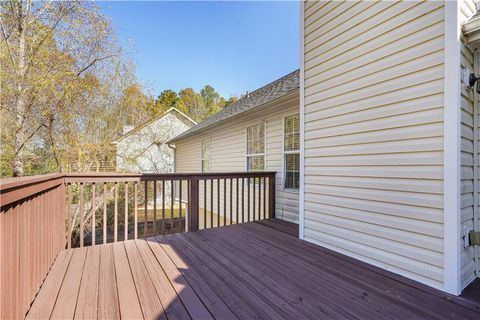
(284, 167)
(264, 154)
(209, 154)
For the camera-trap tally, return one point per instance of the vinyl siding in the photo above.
(468, 149)
(228, 145)
(374, 133)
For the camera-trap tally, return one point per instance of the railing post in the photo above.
(272, 181)
(193, 204)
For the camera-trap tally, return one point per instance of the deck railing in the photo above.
(104, 208)
(42, 215)
(32, 233)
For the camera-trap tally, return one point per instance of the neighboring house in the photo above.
(145, 150)
(260, 132)
(390, 136)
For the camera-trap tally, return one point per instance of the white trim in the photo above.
(452, 143)
(301, 200)
(283, 168)
(183, 114)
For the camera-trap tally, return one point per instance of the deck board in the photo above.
(263, 301)
(147, 295)
(185, 279)
(87, 303)
(252, 270)
(173, 307)
(127, 294)
(45, 300)
(108, 307)
(68, 294)
(225, 291)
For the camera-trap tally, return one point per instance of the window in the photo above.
(256, 148)
(291, 151)
(206, 155)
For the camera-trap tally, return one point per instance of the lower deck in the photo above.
(244, 271)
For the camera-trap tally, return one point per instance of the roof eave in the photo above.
(471, 32)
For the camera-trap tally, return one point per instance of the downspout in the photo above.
(174, 156)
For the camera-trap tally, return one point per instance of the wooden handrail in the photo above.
(13, 190)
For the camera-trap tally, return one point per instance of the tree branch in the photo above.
(9, 50)
(95, 61)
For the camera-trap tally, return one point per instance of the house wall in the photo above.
(373, 133)
(228, 150)
(469, 162)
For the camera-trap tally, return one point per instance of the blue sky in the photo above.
(233, 46)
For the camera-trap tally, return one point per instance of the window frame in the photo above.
(284, 154)
(264, 154)
(209, 154)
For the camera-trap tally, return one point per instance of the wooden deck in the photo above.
(247, 271)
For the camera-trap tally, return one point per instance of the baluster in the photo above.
(180, 206)
(194, 203)
(154, 207)
(145, 211)
(243, 199)
(205, 204)
(253, 200)
(136, 210)
(211, 203)
(248, 199)
(163, 206)
(264, 197)
(172, 202)
(237, 208)
(218, 202)
(231, 200)
(115, 216)
(104, 212)
(126, 212)
(224, 202)
(259, 198)
(189, 206)
(81, 214)
(271, 196)
(69, 217)
(94, 219)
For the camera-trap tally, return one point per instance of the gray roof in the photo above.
(255, 99)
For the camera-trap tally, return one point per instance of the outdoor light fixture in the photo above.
(471, 82)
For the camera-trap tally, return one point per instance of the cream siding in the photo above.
(228, 151)
(468, 149)
(373, 120)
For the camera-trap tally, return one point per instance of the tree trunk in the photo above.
(19, 138)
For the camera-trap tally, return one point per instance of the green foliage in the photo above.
(197, 105)
(167, 98)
